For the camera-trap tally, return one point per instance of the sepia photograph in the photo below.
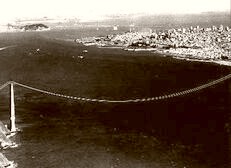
(115, 84)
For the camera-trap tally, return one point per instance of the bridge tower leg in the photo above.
(12, 108)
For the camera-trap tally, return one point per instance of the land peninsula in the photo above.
(211, 44)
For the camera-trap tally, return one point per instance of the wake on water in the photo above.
(3, 48)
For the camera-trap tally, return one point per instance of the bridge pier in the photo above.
(12, 108)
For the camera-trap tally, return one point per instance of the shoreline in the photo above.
(211, 44)
(6, 142)
(193, 59)
(163, 52)
(166, 54)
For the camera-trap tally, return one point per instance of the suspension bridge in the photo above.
(84, 99)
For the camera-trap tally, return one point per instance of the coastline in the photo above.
(211, 44)
(6, 142)
(184, 57)
(166, 53)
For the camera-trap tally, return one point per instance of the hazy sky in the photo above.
(95, 8)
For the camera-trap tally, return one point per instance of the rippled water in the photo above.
(186, 131)
(60, 133)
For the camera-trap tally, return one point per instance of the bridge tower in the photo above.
(12, 108)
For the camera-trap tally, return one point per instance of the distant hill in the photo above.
(27, 27)
(34, 27)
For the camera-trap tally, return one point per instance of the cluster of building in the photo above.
(196, 42)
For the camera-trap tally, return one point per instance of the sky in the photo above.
(90, 9)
